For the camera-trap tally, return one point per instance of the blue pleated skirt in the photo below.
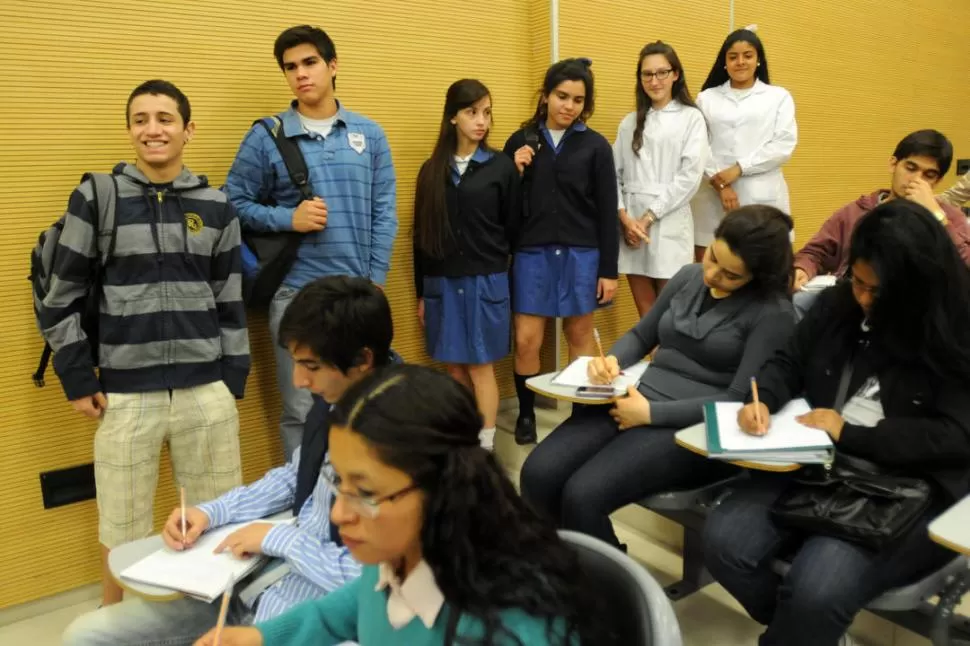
(555, 281)
(467, 320)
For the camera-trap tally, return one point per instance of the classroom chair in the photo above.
(638, 607)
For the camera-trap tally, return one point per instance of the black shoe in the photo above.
(525, 431)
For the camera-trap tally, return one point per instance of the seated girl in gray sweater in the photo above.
(716, 323)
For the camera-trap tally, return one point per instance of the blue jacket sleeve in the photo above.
(252, 180)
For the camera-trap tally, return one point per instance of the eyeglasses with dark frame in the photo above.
(662, 75)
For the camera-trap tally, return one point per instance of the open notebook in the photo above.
(197, 572)
(785, 441)
(574, 375)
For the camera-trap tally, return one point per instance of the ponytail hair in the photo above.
(488, 550)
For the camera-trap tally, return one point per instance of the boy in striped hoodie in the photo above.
(173, 345)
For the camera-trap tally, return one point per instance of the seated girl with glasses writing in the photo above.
(451, 553)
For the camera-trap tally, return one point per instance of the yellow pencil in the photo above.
(221, 623)
(182, 504)
(599, 346)
(757, 405)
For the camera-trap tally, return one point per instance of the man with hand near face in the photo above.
(920, 160)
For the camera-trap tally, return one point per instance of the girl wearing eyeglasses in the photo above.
(451, 554)
(753, 134)
(660, 151)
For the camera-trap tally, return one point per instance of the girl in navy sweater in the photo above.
(565, 253)
(465, 197)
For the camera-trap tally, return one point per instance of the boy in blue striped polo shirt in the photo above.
(349, 226)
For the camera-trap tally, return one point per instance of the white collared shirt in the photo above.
(756, 128)
(418, 596)
(670, 164)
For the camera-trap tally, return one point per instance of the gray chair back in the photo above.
(639, 609)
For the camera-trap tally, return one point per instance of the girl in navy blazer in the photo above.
(466, 196)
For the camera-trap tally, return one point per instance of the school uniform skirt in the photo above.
(467, 319)
(554, 280)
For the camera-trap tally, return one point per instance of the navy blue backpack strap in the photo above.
(291, 154)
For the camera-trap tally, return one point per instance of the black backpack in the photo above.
(43, 257)
(275, 251)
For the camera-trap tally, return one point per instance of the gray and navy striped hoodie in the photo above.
(172, 314)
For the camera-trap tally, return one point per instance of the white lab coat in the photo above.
(756, 130)
(662, 177)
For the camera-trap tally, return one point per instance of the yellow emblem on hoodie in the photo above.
(193, 222)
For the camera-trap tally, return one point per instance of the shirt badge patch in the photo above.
(357, 141)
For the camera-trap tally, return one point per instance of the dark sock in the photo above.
(527, 398)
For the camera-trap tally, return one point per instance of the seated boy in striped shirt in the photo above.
(337, 330)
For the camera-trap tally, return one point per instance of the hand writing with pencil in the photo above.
(748, 419)
(602, 370)
(196, 522)
(246, 541)
(237, 636)
(233, 636)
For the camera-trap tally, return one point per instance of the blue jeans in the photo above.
(137, 622)
(296, 401)
(830, 580)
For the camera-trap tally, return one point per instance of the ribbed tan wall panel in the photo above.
(66, 67)
(541, 32)
(863, 75)
(612, 34)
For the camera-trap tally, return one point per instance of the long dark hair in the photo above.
(570, 69)
(719, 75)
(921, 315)
(488, 550)
(760, 235)
(679, 90)
(431, 225)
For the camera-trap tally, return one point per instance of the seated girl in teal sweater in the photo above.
(451, 554)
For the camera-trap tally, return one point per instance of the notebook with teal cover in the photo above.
(787, 440)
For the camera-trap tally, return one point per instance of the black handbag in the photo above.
(275, 251)
(852, 499)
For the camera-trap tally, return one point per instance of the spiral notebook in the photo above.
(786, 440)
(197, 571)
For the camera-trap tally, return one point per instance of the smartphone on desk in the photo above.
(596, 392)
